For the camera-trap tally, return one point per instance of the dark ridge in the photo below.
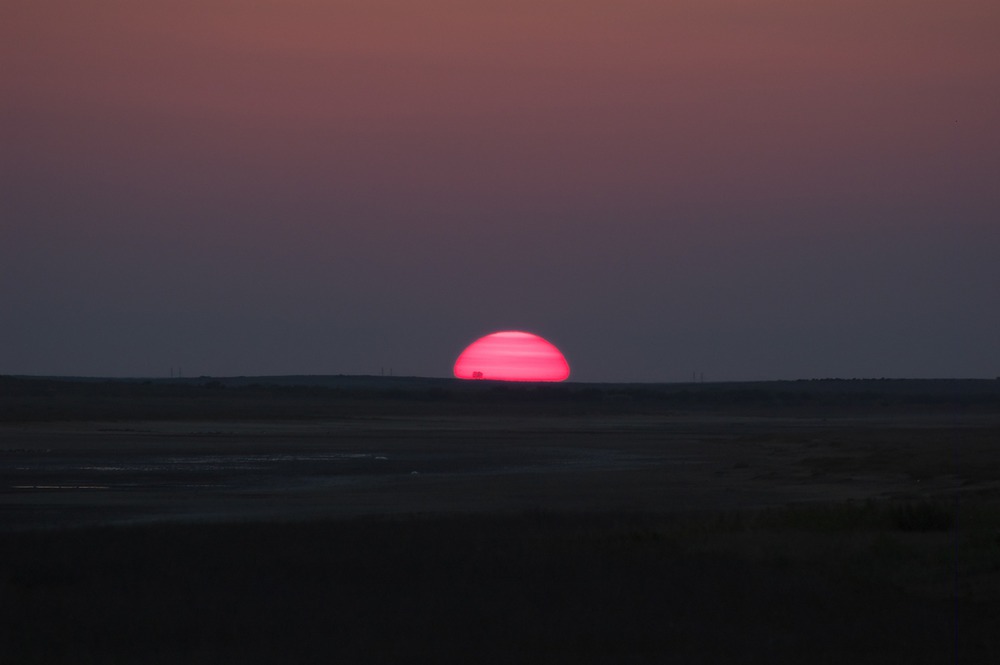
(25, 398)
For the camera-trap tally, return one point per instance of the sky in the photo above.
(727, 189)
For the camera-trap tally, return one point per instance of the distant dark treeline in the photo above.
(44, 399)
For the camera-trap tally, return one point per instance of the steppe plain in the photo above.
(370, 519)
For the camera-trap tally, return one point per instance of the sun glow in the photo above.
(512, 356)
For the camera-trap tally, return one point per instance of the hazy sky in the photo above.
(752, 189)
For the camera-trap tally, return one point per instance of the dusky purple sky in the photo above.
(748, 190)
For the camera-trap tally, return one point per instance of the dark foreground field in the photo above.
(861, 584)
(212, 523)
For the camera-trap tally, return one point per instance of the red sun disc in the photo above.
(512, 356)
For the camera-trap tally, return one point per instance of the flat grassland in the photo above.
(358, 520)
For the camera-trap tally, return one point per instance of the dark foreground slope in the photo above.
(857, 584)
(429, 521)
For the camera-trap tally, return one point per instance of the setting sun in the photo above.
(512, 356)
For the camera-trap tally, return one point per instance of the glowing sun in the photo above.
(512, 356)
